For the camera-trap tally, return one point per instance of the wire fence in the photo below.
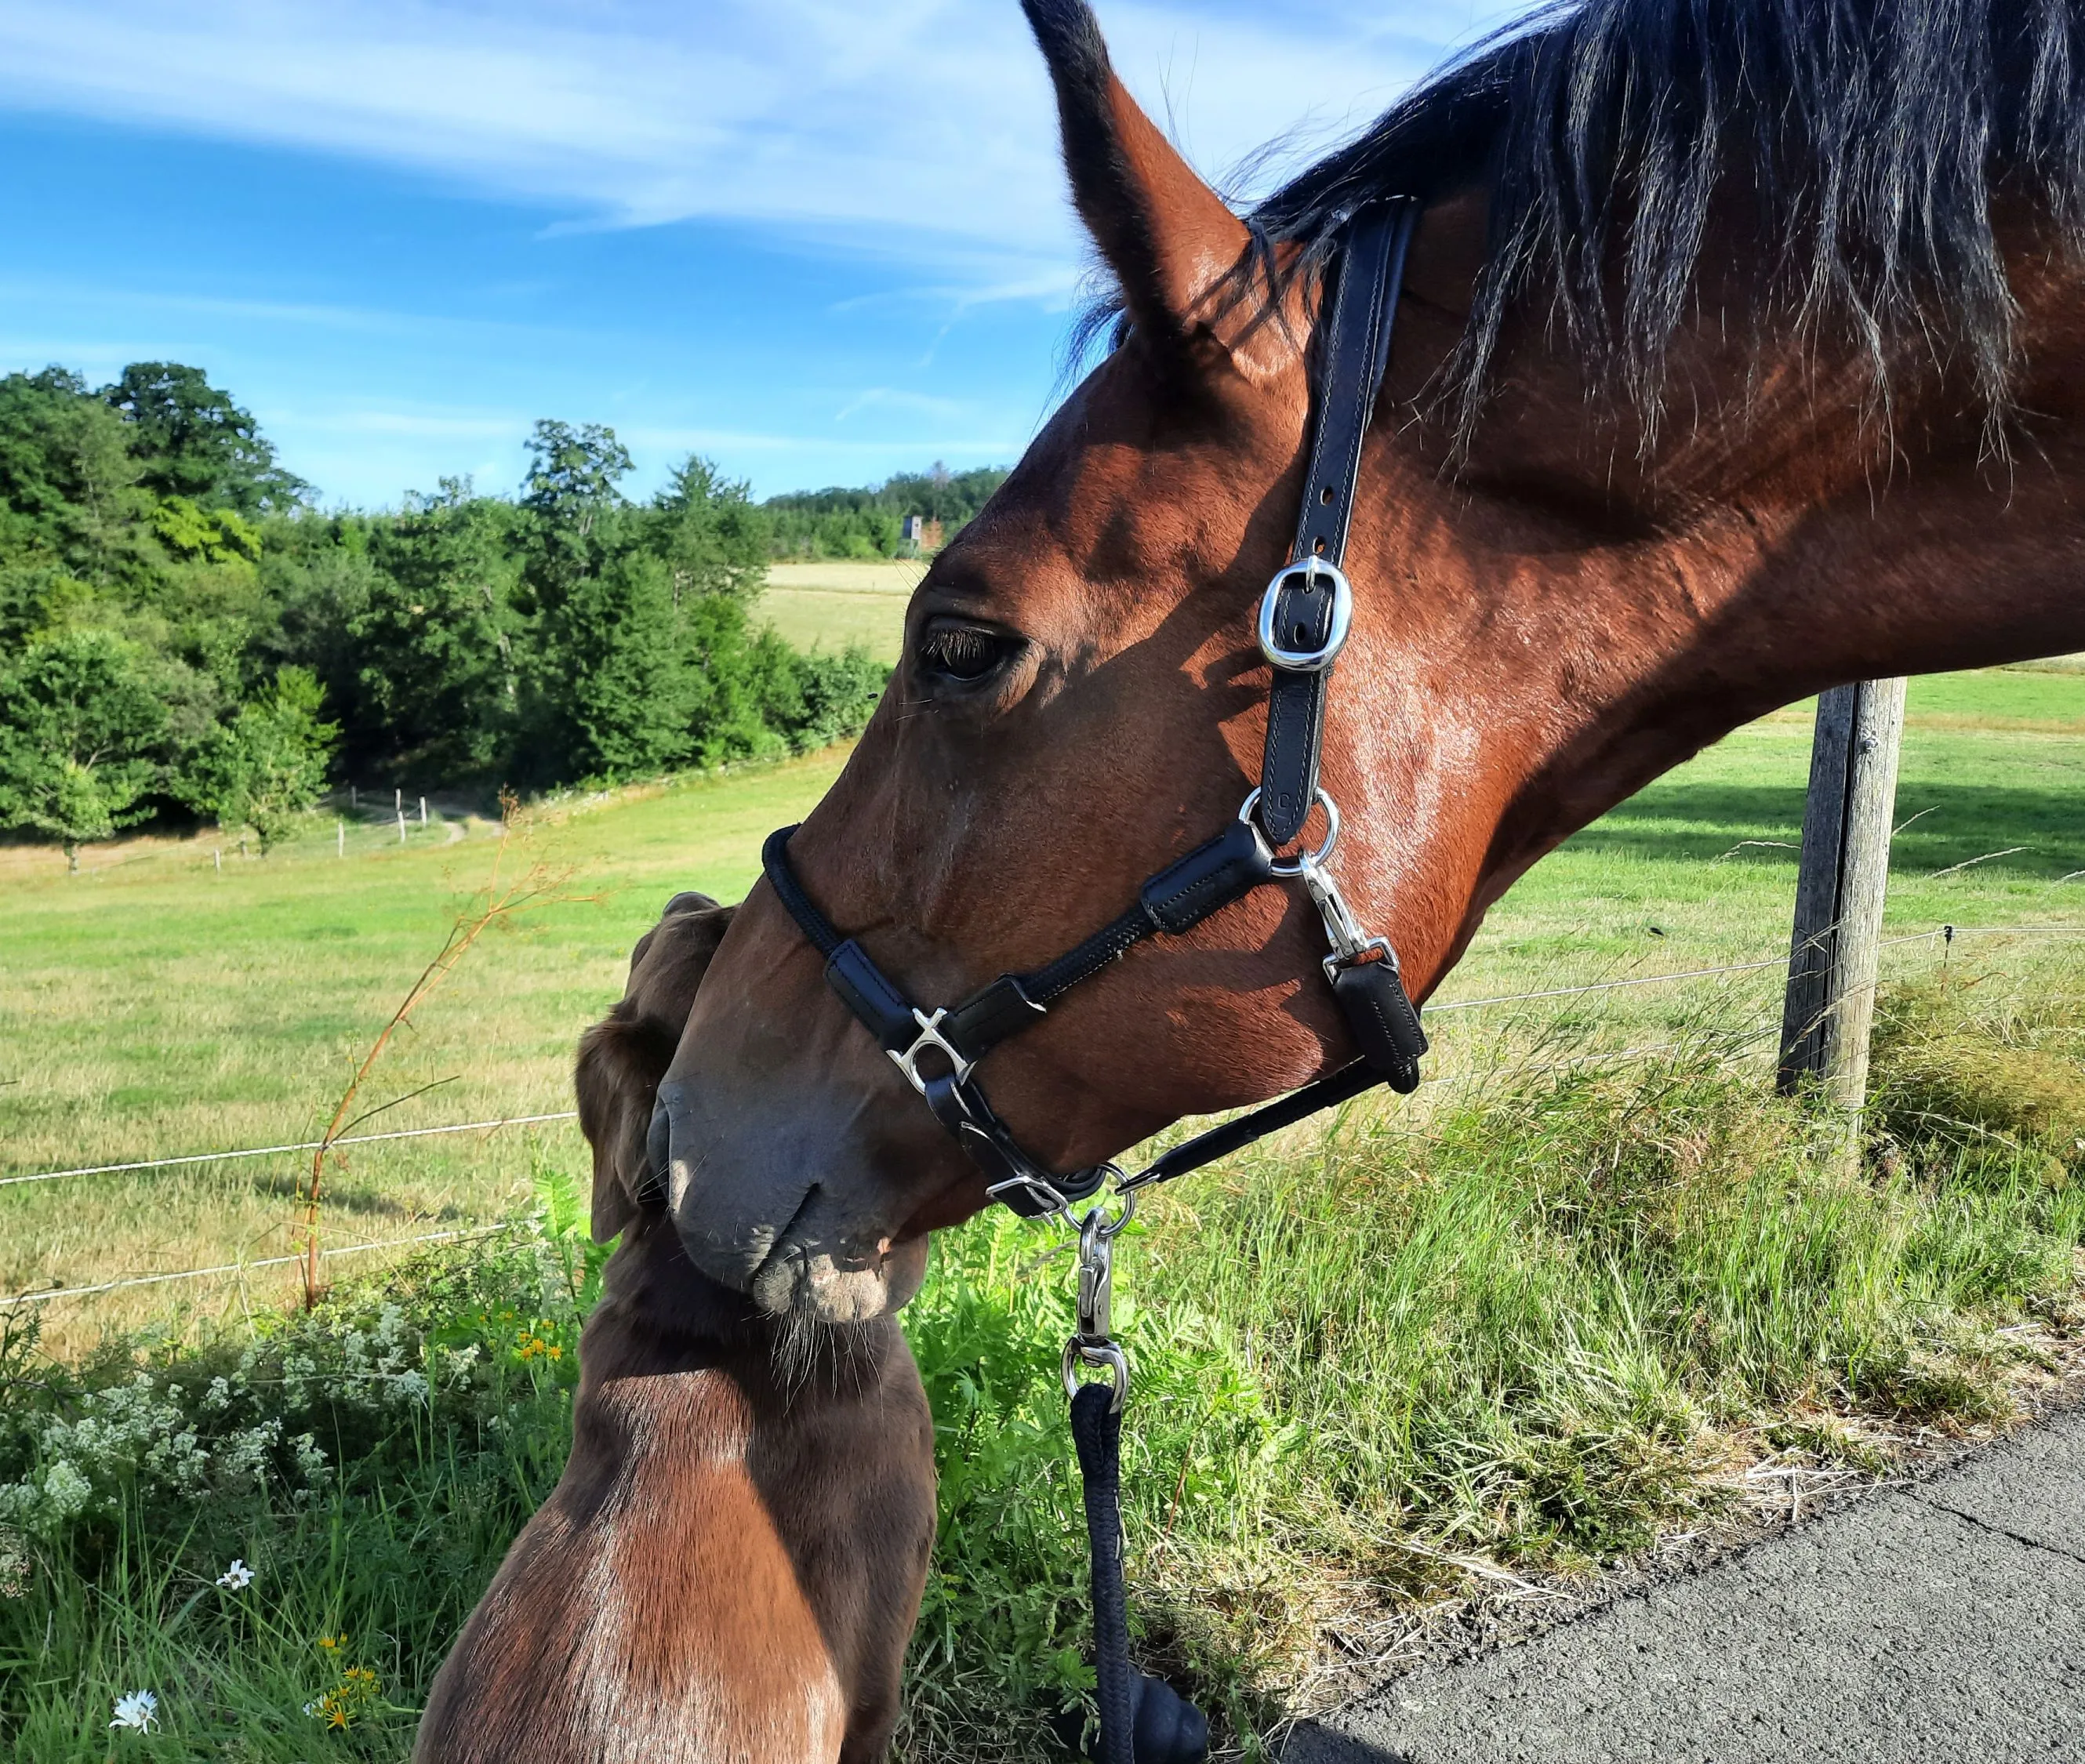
(244, 1267)
(301, 1145)
(1945, 933)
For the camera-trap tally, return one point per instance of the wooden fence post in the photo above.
(1840, 888)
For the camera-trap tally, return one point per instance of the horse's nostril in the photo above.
(658, 1150)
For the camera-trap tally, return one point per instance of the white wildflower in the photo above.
(243, 1458)
(13, 1564)
(310, 1457)
(140, 1709)
(237, 1578)
(67, 1492)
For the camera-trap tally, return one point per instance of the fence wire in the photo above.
(242, 1267)
(305, 1145)
(1949, 933)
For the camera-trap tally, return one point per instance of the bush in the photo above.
(81, 735)
(268, 765)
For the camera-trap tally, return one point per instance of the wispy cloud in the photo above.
(899, 398)
(109, 298)
(922, 127)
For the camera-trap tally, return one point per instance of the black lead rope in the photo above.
(1304, 619)
(1096, 1431)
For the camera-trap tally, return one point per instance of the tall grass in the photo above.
(1520, 1332)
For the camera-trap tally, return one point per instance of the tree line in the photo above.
(184, 633)
(869, 522)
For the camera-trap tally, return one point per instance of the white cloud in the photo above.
(923, 128)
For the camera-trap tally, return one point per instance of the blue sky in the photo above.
(817, 242)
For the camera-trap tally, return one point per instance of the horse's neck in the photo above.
(1571, 669)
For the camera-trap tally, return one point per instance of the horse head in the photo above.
(1543, 622)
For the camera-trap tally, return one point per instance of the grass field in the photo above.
(830, 606)
(1530, 1321)
(158, 1006)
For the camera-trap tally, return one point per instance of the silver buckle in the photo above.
(1308, 661)
(929, 1035)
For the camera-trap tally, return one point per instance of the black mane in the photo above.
(1869, 137)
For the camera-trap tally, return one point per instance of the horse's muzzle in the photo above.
(776, 1234)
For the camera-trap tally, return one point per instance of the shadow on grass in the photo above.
(1701, 822)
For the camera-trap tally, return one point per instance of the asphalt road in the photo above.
(1943, 1622)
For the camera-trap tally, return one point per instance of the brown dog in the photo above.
(730, 1568)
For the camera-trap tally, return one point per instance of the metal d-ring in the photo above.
(1314, 570)
(1052, 1202)
(1078, 1354)
(1297, 865)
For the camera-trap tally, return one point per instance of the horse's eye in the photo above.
(963, 653)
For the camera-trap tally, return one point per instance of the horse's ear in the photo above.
(1165, 234)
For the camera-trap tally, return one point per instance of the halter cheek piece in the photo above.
(1304, 619)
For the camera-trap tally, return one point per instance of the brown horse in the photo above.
(1740, 353)
(731, 1566)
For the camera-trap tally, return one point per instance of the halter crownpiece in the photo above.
(1304, 619)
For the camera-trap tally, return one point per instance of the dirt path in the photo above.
(1942, 1621)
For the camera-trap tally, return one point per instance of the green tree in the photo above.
(435, 636)
(190, 439)
(69, 491)
(713, 539)
(80, 732)
(571, 496)
(866, 522)
(268, 765)
(616, 680)
(607, 683)
(204, 534)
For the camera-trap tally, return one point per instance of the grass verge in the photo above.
(1518, 1332)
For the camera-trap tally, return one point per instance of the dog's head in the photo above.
(623, 1058)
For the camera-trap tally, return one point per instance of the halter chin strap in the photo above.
(1304, 619)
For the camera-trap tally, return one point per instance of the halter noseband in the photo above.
(1304, 618)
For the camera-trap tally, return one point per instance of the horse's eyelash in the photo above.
(959, 649)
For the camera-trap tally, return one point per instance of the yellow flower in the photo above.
(556, 1352)
(331, 1644)
(337, 1716)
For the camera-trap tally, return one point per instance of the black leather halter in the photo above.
(1304, 618)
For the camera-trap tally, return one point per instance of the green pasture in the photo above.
(167, 1002)
(1552, 1307)
(831, 605)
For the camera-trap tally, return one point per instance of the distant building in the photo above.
(921, 533)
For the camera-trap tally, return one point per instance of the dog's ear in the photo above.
(622, 1058)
